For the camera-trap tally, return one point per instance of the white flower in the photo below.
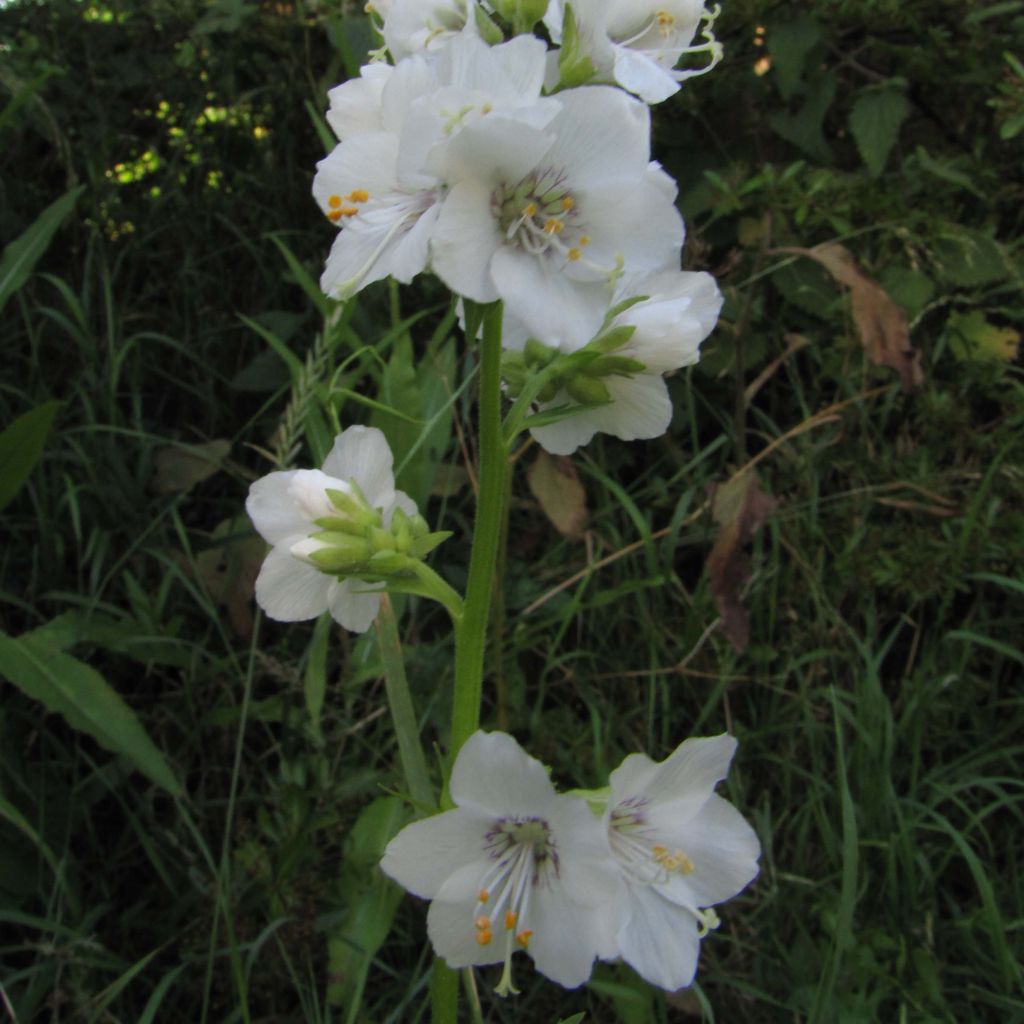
(285, 508)
(412, 26)
(400, 130)
(638, 43)
(546, 217)
(679, 312)
(680, 849)
(514, 867)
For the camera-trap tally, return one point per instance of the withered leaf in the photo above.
(881, 324)
(229, 570)
(555, 483)
(180, 466)
(740, 508)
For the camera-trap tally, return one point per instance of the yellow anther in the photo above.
(510, 919)
(568, 203)
(484, 938)
(483, 896)
(483, 924)
(486, 108)
(574, 255)
(584, 241)
(334, 202)
(523, 938)
(553, 226)
(530, 210)
(358, 195)
(665, 20)
(334, 215)
(348, 211)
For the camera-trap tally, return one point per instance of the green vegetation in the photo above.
(193, 801)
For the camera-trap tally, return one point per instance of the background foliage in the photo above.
(191, 832)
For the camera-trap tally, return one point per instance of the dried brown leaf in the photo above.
(881, 324)
(229, 571)
(179, 466)
(554, 482)
(740, 508)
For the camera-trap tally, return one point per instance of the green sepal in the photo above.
(559, 412)
(620, 307)
(597, 799)
(343, 552)
(548, 392)
(614, 366)
(401, 530)
(339, 524)
(422, 546)
(522, 15)
(419, 526)
(381, 539)
(588, 390)
(574, 66)
(388, 562)
(489, 32)
(354, 506)
(613, 339)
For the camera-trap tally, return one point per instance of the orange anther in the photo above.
(334, 202)
(334, 215)
(584, 240)
(483, 896)
(483, 924)
(349, 211)
(530, 210)
(483, 938)
(510, 919)
(523, 938)
(574, 255)
(568, 203)
(553, 226)
(358, 195)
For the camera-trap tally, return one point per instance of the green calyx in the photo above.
(574, 66)
(522, 15)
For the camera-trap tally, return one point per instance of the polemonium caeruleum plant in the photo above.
(521, 176)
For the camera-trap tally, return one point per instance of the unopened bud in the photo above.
(588, 390)
(333, 552)
(537, 354)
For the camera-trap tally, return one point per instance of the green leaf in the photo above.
(71, 688)
(969, 258)
(804, 128)
(372, 899)
(789, 44)
(21, 447)
(907, 288)
(25, 251)
(972, 337)
(875, 122)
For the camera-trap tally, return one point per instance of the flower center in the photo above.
(524, 858)
(540, 216)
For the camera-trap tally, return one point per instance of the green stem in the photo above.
(414, 764)
(439, 590)
(444, 994)
(471, 633)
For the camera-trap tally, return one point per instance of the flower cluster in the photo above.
(523, 174)
(630, 872)
(337, 533)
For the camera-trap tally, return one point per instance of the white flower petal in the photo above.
(289, 590)
(660, 941)
(355, 104)
(366, 161)
(363, 454)
(559, 312)
(466, 237)
(564, 940)
(602, 136)
(722, 846)
(492, 773)
(426, 853)
(450, 921)
(354, 603)
(638, 74)
(272, 509)
(639, 410)
(566, 435)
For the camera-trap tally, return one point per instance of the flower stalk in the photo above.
(471, 633)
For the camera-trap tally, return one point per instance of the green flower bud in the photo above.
(574, 66)
(522, 15)
(332, 552)
(608, 366)
(588, 390)
(353, 506)
(401, 531)
(614, 339)
(489, 32)
(537, 354)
